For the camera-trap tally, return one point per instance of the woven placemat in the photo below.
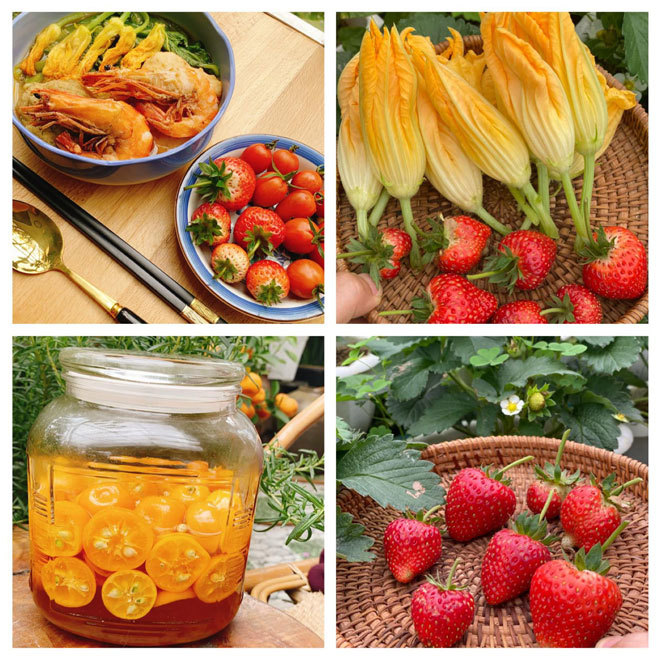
(373, 609)
(620, 197)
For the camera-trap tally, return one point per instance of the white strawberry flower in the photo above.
(512, 405)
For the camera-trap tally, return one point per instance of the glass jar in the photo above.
(142, 486)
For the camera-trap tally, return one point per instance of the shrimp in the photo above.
(103, 128)
(176, 98)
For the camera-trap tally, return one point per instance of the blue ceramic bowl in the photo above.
(199, 257)
(202, 27)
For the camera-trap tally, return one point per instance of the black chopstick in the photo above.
(166, 288)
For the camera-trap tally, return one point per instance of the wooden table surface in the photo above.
(279, 90)
(256, 625)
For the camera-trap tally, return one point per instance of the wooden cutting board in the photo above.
(256, 625)
(279, 90)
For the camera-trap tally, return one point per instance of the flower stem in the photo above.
(544, 185)
(530, 214)
(587, 188)
(362, 224)
(357, 253)
(394, 312)
(379, 208)
(408, 221)
(492, 222)
(546, 223)
(578, 219)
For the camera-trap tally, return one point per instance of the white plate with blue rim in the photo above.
(199, 256)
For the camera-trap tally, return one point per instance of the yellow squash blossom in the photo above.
(358, 179)
(149, 46)
(62, 60)
(388, 116)
(44, 39)
(124, 44)
(100, 44)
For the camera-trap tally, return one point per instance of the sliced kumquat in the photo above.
(176, 561)
(206, 523)
(188, 493)
(99, 574)
(129, 594)
(167, 597)
(221, 498)
(116, 539)
(138, 489)
(63, 536)
(105, 494)
(162, 513)
(68, 581)
(220, 579)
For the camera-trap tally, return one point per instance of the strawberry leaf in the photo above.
(352, 544)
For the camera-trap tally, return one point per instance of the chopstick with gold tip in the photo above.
(166, 288)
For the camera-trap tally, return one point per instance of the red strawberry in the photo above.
(589, 513)
(229, 181)
(525, 259)
(618, 265)
(267, 281)
(574, 605)
(259, 229)
(230, 263)
(513, 556)
(552, 477)
(458, 241)
(575, 304)
(399, 240)
(479, 501)
(412, 545)
(210, 224)
(519, 311)
(441, 613)
(452, 299)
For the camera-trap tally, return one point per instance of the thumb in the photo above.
(356, 295)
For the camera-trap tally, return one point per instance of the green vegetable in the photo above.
(193, 53)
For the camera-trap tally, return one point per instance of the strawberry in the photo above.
(479, 501)
(412, 545)
(618, 265)
(519, 311)
(589, 513)
(230, 263)
(229, 181)
(551, 478)
(210, 224)
(381, 252)
(524, 260)
(441, 613)
(513, 556)
(573, 605)
(458, 242)
(267, 281)
(258, 229)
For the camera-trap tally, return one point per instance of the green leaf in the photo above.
(486, 418)
(635, 31)
(382, 468)
(352, 544)
(406, 413)
(517, 372)
(486, 357)
(525, 427)
(591, 424)
(615, 392)
(436, 26)
(360, 386)
(447, 407)
(485, 390)
(465, 347)
(595, 341)
(346, 436)
(386, 348)
(620, 354)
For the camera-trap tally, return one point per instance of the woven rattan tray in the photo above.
(373, 609)
(620, 197)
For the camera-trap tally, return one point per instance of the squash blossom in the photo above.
(125, 42)
(44, 39)
(101, 43)
(149, 46)
(388, 116)
(360, 184)
(63, 58)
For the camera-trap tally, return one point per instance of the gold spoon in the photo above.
(37, 248)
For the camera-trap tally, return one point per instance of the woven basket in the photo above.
(373, 609)
(620, 197)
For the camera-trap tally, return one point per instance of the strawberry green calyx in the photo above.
(498, 476)
(224, 269)
(427, 517)
(553, 474)
(257, 239)
(432, 241)
(593, 560)
(502, 268)
(611, 489)
(204, 229)
(536, 527)
(372, 252)
(449, 585)
(212, 182)
(270, 294)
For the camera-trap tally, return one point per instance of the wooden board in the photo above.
(279, 90)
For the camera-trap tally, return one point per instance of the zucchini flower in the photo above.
(529, 92)
(149, 46)
(63, 58)
(360, 184)
(388, 115)
(44, 39)
(124, 44)
(100, 44)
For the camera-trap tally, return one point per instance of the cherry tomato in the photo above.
(297, 204)
(270, 190)
(315, 254)
(259, 156)
(299, 234)
(285, 161)
(309, 180)
(306, 278)
(319, 199)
